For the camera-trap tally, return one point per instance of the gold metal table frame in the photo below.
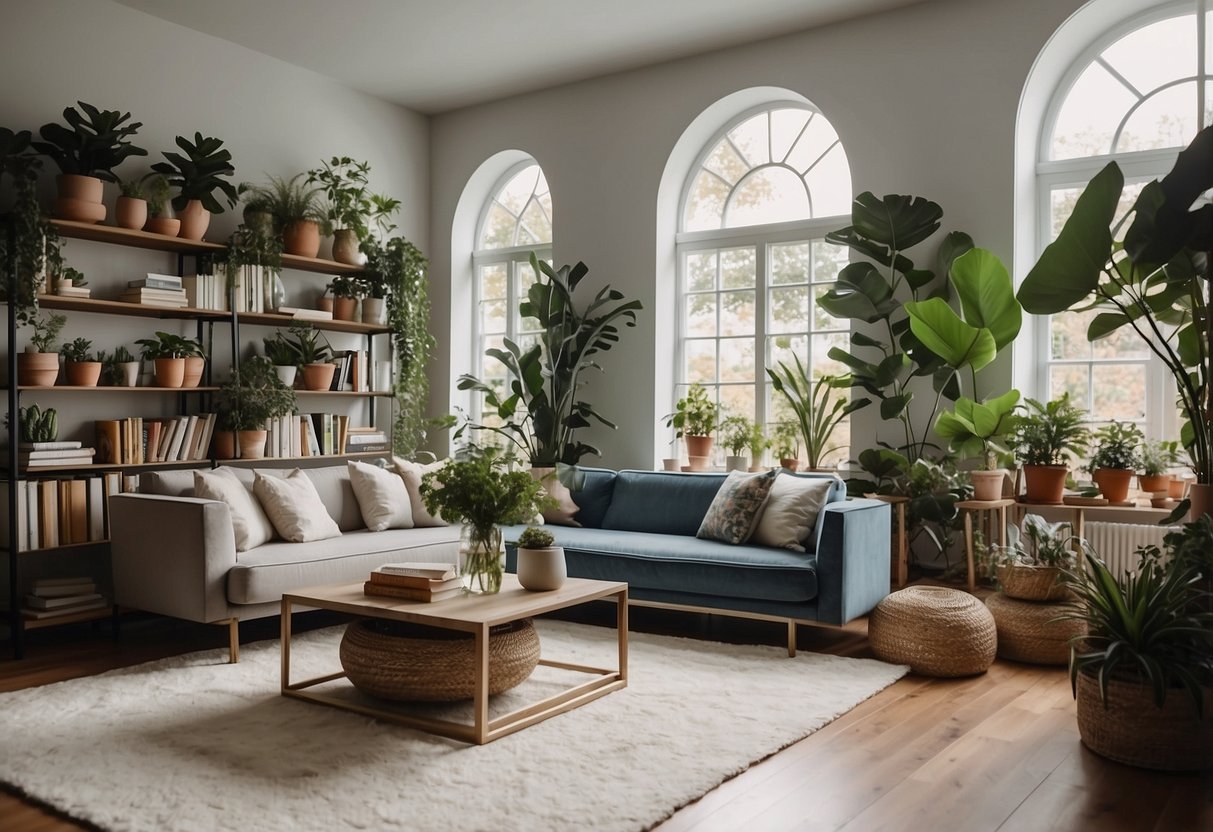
(471, 614)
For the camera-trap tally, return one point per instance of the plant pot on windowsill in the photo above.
(1113, 483)
(789, 463)
(1153, 483)
(698, 445)
(736, 463)
(170, 372)
(82, 373)
(318, 376)
(37, 369)
(987, 485)
(1044, 483)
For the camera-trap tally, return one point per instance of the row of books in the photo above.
(427, 582)
(354, 371)
(58, 597)
(135, 440)
(321, 434)
(54, 454)
(251, 291)
(58, 512)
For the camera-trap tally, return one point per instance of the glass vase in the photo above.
(481, 559)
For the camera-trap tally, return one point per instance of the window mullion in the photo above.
(762, 282)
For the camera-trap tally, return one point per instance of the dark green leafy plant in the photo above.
(345, 184)
(288, 200)
(695, 414)
(533, 537)
(92, 144)
(74, 275)
(280, 351)
(253, 394)
(29, 244)
(46, 331)
(168, 345)
(349, 286)
(818, 411)
(199, 173)
(1192, 547)
(1116, 446)
(478, 489)
(307, 344)
(1048, 432)
(542, 412)
(975, 429)
(78, 351)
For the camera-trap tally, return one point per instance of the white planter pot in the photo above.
(374, 311)
(541, 570)
(130, 373)
(286, 373)
(736, 463)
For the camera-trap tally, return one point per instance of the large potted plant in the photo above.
(478, 490)
(38, 366)
(1115, 459)
(81, 367)
(694, 418)
(975, 430)
(252, 395)
(1043, 439)
(86, 150)
(1155, 280)
(541, 412)
(1143, 673)
(818, 411)
(203, 169)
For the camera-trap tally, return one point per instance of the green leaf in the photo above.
(861, 292)
(1068, 270)
(858, 339)
(1105, 323)
(893, 406)
(953, 246)
(943, 332)
(897, 221)
(1163, 221)
(986, 295)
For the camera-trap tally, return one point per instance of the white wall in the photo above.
(274, 118)
(924, 98)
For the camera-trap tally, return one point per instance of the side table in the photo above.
(990, 511)
(901, 558)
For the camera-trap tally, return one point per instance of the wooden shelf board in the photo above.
(68, 388)
(335, 457)
(273, 319)
(69, 618)
(348, 393)
(137, 310)
(315, 264)
(27, 473)
(66, 546)
(133, 239)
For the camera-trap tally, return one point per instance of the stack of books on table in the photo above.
(54, 597)
(415, 581)
(54, 454)
(156, 290)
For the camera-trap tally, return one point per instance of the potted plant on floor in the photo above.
(735, 433)
(1157, 459)
(296, 212)
(786, 442)
(976, 429)
(157, 191)
(312, 352)
(80, 367)
(38, 366)
(131, 209)
(758, 446)
(253, 395)
(1043, 439)
(1037, 553)
(479, 491)
(1143, 673)
(86, 151)
(694, 418)
(169, 352)
(1115, 459)
(541, 566)
(197, 175)
(818, 411)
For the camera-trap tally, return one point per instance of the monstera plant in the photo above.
(1154, 279)
(540, 412)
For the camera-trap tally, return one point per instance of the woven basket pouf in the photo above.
(414, 663)
(1028, 631)
(935, 630)
(1032, 583)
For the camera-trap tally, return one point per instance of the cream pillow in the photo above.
(382, 497)
(249, 522)
(791, 511)
(294, 507)
(565, 510)
(412, 473)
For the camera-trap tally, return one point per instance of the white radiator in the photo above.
(1116, 544)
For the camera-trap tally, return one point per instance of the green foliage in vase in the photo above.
(477, 488)
(204, 169)
(92, 144)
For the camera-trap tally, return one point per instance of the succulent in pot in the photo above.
(1044, 438)
(203, 169)
(541, 565)
(244, 403)
(976, 429)
(694, 418)
(1115, 459)
(38, 366)
(81, 366)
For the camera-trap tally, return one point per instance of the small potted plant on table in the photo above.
(975, 429)
(694, 418)
(541, 566)
(1043, 440)
(38, 366)
(735, 433)
(171, 354)
(80, 367)
(251, 396)
(1115, 459)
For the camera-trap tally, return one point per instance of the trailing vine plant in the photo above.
(35, 243)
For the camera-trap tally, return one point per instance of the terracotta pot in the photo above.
(1153, 484)
(130, 212)
(194, 220)
(225, 444)
(318, 376)
(698, 445)
(170, 372)
(251, 443)
(345, 309)
(345, 247)
(1044, 483)
(374, 311)
(1113, 483)
(697, 463)
(671, 464)
(789, 463)
(1201, 495)
(82, 373)
(1176, 487)
(987, 485)
(168, 226)
(79, 198)
(193, 371)
(325, 304)
(301, 238)
(37, 369)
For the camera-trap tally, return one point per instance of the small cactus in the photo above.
(535, 538)
(38, 425)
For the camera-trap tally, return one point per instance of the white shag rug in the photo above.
(192, 743)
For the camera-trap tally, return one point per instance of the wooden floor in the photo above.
(994, 752)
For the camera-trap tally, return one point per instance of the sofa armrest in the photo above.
(171, 555)
(853, 559)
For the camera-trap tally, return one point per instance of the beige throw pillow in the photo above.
(294, 507)
(565, 510)
(411, 473)
(249, 522)
(382, 497)
(790, 515)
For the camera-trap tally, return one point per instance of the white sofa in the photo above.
(175, 554)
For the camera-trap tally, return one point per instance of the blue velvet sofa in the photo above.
(639, 527)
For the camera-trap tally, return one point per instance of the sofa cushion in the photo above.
(294, 507)
(685, 564)
(660, 502)
(413, 473)
(790, 514)
(736, 507)
(264, 573)
(594, 496)
(382, 497)
(250, 525)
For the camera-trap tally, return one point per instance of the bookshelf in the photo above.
(16, 476)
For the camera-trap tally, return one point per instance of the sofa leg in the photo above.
(233, 638)
(791, 639)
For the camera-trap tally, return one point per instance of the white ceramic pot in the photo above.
(130, 373)
(736, 463)
(671, 464)
(286, 373)
(374, 311)
(541, 570)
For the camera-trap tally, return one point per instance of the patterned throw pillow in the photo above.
(738, 504)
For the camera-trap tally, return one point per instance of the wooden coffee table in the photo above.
(471, 614)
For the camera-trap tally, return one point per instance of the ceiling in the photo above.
(437, 55)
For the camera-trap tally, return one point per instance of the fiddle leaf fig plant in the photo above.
(92, 143)
(976, 429)
(204, 169)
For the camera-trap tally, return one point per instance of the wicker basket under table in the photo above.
(935, 630)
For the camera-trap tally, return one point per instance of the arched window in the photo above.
(752, 260)
(1137, 96)
(516, 220)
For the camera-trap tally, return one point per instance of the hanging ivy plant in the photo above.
(34, 241)
(397, 272)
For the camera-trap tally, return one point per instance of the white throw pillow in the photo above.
(294, 507)
(790, 514)
(412, 473)
(566, 509)
(249, 522)
(382, 497)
